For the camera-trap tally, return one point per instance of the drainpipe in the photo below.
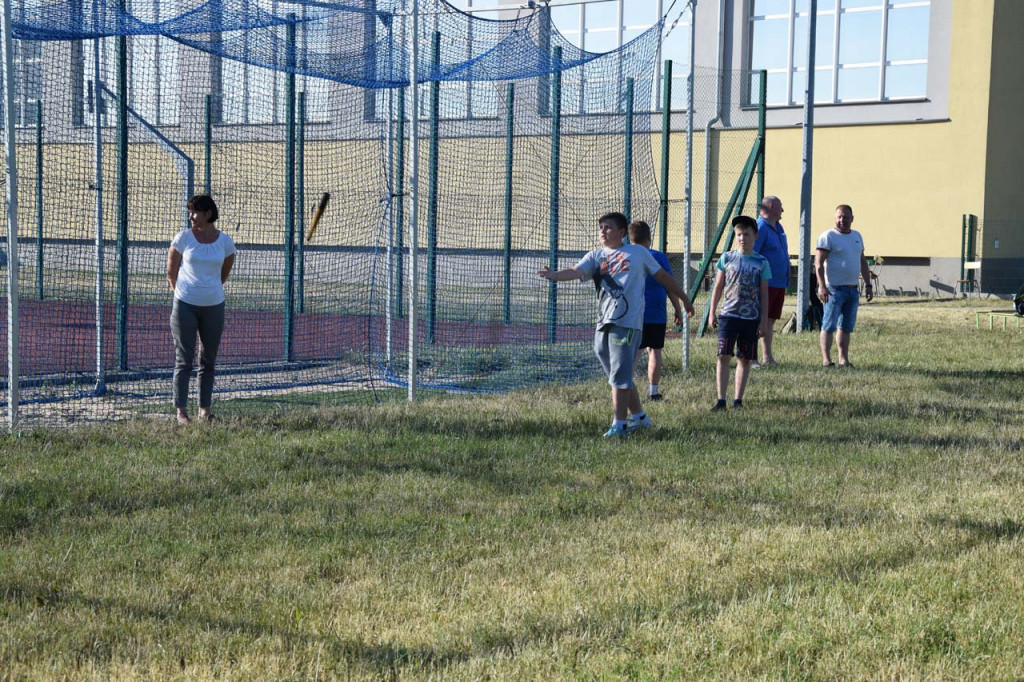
(708, 217)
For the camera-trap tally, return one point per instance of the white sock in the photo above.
(653, 389)
(619, 422)
(638, 417)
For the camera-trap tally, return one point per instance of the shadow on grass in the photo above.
(380, 658)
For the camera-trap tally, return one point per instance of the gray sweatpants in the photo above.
(186, 320)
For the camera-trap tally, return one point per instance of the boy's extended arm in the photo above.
(674, 290)
(716, 295)
(560, 275)
(677, 306)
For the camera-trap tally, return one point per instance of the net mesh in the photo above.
(210, 93)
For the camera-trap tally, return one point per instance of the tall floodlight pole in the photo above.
(803, 268)
(688, 191)
(414, 232)
(10, 150)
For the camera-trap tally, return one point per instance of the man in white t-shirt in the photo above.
(838, 264)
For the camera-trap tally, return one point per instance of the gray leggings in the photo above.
(186, 320)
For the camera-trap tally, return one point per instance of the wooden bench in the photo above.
(993, 315)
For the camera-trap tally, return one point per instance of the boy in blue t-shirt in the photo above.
(655, 314)
(743, 275)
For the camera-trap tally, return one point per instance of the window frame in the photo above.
(835, 66)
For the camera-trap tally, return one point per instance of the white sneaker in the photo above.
(637, 424)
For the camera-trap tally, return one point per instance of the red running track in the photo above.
(60, 336)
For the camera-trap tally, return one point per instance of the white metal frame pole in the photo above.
(10, 153)
(101, 381)
(804, 266)
(688, 191)
(414, 231)
(390, 253)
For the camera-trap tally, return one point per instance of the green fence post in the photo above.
(435, 101)
(556, 153)
(742, 188)
(510, 98)
(208, 146)
(300, 202)
(666, 131)
(122, 198)
(627, 200)
(39, 200)
(289, 199)
(400, 212)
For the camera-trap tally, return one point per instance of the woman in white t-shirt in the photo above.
(198, 263)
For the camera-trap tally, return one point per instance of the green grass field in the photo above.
(847, 524)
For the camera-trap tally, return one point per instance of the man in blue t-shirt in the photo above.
(617, 270)
(655, 314)
(771, 243)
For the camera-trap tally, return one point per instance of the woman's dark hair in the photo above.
(204, 202)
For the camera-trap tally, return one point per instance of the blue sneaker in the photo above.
(617, 432)
(637, 424)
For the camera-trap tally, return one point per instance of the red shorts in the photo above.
(776, 297)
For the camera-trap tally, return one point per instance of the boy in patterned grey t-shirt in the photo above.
(619, 271)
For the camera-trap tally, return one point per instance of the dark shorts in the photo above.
(654, 335)
(738, 337)
(776, 299)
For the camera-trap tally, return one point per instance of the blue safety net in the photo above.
(124, 109)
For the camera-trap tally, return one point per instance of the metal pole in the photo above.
(435, 106)
(122, 199)
(556, 148)
(39, 200)
(414, 231)
(10, 154)
(389, 251)
(289, 199)
(510, 107)
(963, 251)
(666, 131)
(762, 120)
(804, 267)
(399, 275)
(101, 380)
(300, 201)
(688, 189)
(208, 140)
(627, 200)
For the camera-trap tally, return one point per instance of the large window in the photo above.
(865, 50)
(152, 69)
(255, 95)
(466, 99)
(28, 86)
(607, 25)
(456, 99)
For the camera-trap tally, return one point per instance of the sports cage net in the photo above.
(123, 111)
